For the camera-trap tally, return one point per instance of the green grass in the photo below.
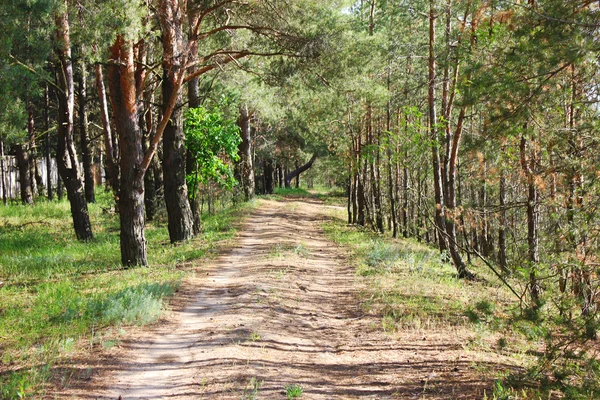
(58, 293)
(411, 286)
(329, 196)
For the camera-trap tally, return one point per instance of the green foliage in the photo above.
(294, 391)
(211, 140)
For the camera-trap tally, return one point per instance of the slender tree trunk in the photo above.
(375, 178)
(297, 178)
(31, 150)
(123, 96)
(152, 178)
(194, 101)
(437, 170)
(88, 172)
(532, 221)
(349, 190)
(68, 165)
(180, 218)
(59, 184)
(2, 174)
(110, 147)
(47, 143)
(245, 152)
(502, 259)
(360, 190)
(268, 173)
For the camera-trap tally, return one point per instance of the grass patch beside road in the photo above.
(58, 292)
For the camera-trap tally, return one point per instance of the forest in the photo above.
(135, 136)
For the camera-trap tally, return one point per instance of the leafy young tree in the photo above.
(211, 140)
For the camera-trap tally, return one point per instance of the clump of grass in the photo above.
(138, 305)
(483, 311)
(382, 255)
(293, 391)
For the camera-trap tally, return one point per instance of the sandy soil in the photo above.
(282, 308)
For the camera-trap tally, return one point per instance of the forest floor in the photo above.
(283, 310)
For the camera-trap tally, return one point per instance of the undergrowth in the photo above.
(412, 286)
(59, 295)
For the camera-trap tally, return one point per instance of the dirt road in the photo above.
(280, 309)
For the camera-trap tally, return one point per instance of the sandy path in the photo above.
(281, 309)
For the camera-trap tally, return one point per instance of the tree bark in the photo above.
(532, 220)
(152, 177)
(437, 171)
(88, 173)
(66, 156)
(502, 259)
(111, 151)
(245, 152)
(22, 157)
(180, 218)
(268, 172)
(123, 96)
(49, 191)
(291, 175)
(2, 174)
(31, 161)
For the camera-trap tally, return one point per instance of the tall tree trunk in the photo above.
(405, 227)
(349, 190)
(361, 200)
(88, 172)
(194, 101)
(375, 179)
(180, 218)
(123, 96)
(2, 174)
(111, 151)
(152, 178)
(31, 161)
(59, 183)
(66, 156)
(502, 259)
(268, 173)
(532, 220)
(245, 152)
(437, 170)
(47, 143)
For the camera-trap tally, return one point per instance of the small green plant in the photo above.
(293, 391)
(301, 250)
(483, 311)
(251, 390)
(382, 255)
